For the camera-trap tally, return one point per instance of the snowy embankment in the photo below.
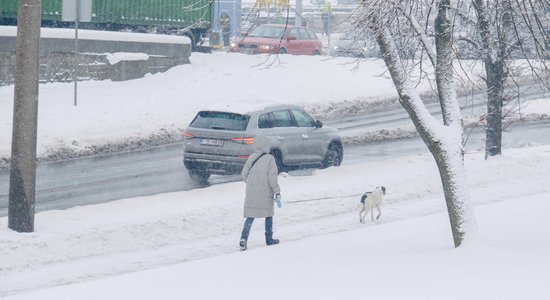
(91, 242)
(153, 110)
(117, 116)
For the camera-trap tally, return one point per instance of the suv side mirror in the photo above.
(318, 124)
(292, 37)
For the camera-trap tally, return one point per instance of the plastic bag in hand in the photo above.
(277, 200)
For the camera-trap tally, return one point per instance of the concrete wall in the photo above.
(57, 59)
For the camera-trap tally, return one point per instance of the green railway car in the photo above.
(188, 17)
(51, 10)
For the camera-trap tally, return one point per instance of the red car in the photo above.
(278, 39)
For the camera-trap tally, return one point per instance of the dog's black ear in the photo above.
(384, 190)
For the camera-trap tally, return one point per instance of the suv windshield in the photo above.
(267, 31)
(220, 120)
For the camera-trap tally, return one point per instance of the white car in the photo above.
(220, 142)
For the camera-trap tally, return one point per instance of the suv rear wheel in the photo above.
(333, 158)
(199, 176)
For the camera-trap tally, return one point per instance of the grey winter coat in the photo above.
(261, 181)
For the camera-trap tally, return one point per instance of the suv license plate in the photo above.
(247, 51)
(212, 142)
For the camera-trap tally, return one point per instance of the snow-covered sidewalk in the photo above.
(407, 259)
(128, 235)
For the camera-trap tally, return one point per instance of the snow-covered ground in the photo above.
(185, 243)
(108, 111)
(156, 108)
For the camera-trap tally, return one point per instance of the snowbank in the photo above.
(112, 116)
(101, 35)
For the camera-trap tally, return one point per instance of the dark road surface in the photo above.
(99, 179)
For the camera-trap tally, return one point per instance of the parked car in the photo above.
(355, 46)
(278, 38)
(220, 142)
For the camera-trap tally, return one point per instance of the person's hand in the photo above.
(277, 199)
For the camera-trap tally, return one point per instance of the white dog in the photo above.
(369, 201)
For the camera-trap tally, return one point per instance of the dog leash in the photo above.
(323, 198)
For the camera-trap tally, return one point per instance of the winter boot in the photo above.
(242, 244)
(269, 240)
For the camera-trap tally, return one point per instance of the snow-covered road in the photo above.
(156, 170)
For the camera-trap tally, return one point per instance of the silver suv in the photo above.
(219, 142)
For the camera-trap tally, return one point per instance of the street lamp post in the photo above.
(76, 58)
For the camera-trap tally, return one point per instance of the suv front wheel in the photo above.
(279, 160)
(334, 156)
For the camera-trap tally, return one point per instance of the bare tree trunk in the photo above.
(444, 65)
(494, 57)
(453, 179)
(495, 96)
(443, 140)
(450, 159)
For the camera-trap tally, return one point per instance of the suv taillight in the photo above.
(187, 135)
(244, 140)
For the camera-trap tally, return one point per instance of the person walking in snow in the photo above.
(225, 23)
(262, 187)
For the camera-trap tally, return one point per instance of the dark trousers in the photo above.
(325, 24)
(248, 224)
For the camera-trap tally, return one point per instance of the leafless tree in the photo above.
(401, 39)
(502, 33)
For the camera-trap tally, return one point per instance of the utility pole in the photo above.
(329, 29)
(76, 57)
(298, 13)
(25, 118)
(76, 11)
